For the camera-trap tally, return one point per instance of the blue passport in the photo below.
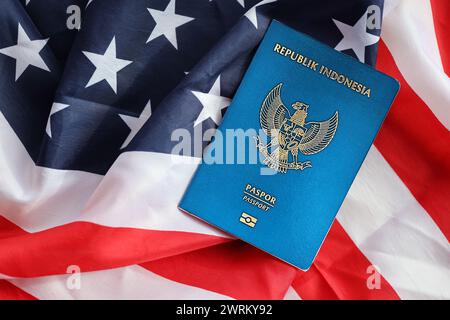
(310, 115)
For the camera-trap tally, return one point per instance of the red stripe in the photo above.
(340, 271)
(417, 146)
(441, 17)
(8, 291)
(243, 272)
(312, 285)
(89, 246)
(234, 269)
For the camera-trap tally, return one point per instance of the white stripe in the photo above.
(408, 31)
(395, 233)
(141, 190)
(291, 294)
(389, 6)
(133, 282)
(37, 198)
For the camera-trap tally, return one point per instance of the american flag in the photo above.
(90, 92)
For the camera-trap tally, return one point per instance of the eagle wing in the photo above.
(273, 112)
(319, 135)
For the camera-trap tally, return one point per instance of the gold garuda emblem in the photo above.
(290, 134)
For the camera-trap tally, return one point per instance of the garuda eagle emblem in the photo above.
(290, 134)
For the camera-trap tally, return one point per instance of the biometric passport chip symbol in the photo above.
(248, 220)
(290, 134)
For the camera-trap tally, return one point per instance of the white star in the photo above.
(212, 103)
(251, 13)
(27, 2)
(356, 38)
(167, 22)
(106, 66)
(136, 124)
(56, 107)
(26, 52)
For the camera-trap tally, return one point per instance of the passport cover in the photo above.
(319, 111)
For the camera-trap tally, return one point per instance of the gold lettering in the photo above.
(334, 75)
(360, 87)
(329, 73)
(277, 48)
(292, 56)
(349, 83)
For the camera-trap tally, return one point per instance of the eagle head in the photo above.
(301, 112)
(300, 106)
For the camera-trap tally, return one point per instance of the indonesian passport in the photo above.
(290, 145)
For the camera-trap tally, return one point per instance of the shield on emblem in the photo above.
(292, 134)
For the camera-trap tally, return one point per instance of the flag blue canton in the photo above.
(137, 70)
